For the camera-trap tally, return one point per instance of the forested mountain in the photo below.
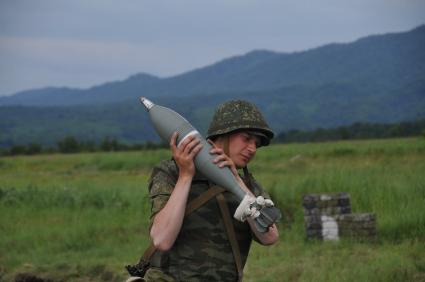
(379, 78)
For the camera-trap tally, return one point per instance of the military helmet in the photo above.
(236, 115)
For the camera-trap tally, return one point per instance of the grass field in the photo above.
(82, 217)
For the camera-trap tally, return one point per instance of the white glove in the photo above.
(244, 210)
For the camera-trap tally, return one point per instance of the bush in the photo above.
(69, 145)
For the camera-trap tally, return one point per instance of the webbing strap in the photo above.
(148, 253)
(230, 234)
(202, 199)
(191, 207)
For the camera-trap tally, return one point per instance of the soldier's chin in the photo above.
(241, 164)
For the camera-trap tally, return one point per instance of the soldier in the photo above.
(207, 244)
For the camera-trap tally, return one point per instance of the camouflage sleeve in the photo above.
(161, 185)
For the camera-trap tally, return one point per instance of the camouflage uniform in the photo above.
(202, 251)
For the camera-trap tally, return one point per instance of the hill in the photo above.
(379, 78)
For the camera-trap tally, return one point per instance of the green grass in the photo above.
(83, 217)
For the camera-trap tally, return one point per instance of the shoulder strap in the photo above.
(247, 177)
(230, 234)
(191, 207)
(202, 199)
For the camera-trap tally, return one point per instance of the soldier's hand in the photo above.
(185, 153)
(222, 160)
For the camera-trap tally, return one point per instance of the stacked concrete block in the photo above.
(329, 217)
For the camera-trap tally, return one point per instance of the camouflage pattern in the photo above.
(238, 114)
(202, 251)
(157, 275)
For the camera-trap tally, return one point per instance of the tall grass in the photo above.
(83, 217)
(384, 177)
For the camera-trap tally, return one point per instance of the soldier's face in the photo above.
(242, 147)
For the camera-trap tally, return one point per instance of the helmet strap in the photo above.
(226, 144)
(247, 176)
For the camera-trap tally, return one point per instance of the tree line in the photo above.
(355, 131)
(71, 144)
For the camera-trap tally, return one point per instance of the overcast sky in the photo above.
(81, 43)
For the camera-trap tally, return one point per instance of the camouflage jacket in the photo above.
(201, 251)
